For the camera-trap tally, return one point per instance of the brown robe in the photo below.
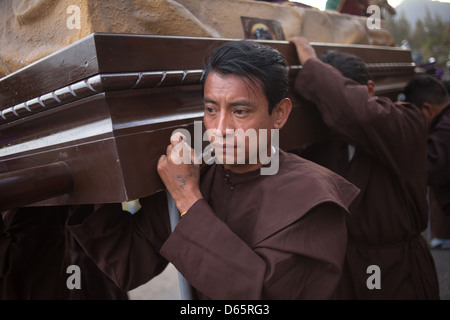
(439, 175)
(389, 167)
(95, 285)
(250, 237)
(34, 254)
(35, 251)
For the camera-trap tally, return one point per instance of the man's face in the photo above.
(233, 103)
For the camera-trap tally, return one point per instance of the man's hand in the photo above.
(181, 178)
(304, 50)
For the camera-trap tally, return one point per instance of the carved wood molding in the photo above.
(101, 83)
(138, 80)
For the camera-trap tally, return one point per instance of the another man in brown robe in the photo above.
(428, 93)
(380, 146)
(242, 235)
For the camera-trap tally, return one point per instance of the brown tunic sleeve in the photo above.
(124, 246)
(288, 244)
(390, 132)
(301, 261)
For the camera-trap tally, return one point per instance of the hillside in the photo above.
(416, 9)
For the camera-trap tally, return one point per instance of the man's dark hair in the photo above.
(423, 89)
(258, 63)
(349, 65)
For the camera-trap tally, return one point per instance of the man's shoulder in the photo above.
(294, 167)
(297, 189)
(404, 106)
(305, 179)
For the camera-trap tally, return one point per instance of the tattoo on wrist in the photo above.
(181, 180)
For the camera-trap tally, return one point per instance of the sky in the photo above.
(320, 4)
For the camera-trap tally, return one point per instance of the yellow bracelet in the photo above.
(181, 215)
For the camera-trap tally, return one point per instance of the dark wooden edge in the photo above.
(23, 187)
(124, 55)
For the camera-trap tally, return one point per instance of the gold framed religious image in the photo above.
(262, 29)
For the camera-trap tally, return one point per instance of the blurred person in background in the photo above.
(432, 96)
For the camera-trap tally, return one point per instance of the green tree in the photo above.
(400, 28)
(430, 36)
(419, 36)
(436, 44)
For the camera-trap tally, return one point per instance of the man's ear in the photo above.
(371, 88)
(281, 112)
(429, 111)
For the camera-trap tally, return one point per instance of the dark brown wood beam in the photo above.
(23, 187)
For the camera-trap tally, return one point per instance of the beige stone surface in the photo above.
(33, 29)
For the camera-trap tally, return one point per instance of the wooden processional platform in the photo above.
(87, 124)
